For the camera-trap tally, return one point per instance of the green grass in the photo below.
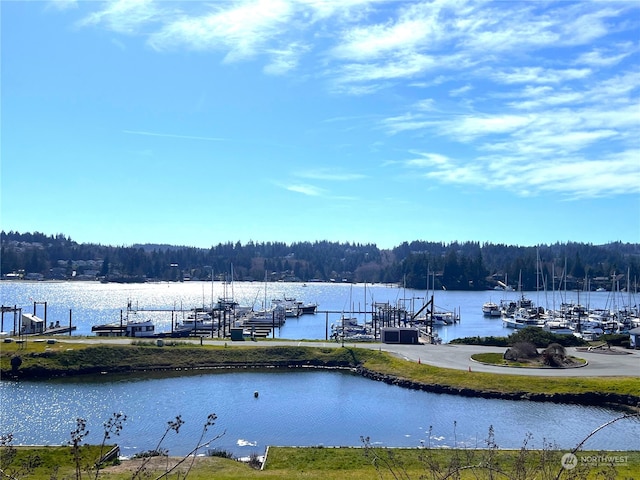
(354, 463)
(336, 464)
(498, 359)
(40, 360)
(489, 382)
(42, 462)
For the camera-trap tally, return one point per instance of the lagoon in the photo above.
(302, 408)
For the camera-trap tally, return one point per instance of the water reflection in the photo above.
(293, 408)
(94, 303)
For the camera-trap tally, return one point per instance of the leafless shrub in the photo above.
(528, 464)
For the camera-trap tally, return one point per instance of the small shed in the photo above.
(237, 334)
(32, 324)
(401, 335)
(634, 337)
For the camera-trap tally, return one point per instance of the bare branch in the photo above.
(198, 447)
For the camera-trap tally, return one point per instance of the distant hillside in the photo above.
(454, 266)
(150, 247)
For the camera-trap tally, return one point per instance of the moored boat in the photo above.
(307, 308)
(491, 309)
(140, 329)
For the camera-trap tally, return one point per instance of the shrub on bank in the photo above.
(490, 341)
(616, 340)
(535, 335)
(541, 338)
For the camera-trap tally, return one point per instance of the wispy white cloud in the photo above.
(457, 92)
(127, 16)
(407, 122)
(428, 160)
(172, 135)
(532, 100)
(570, 177)
(469, 127)
(606, 57)
(283, 60)
(330, 175)
(305, 189)
(325, 175)
(543, 87)
(62, 4)
(241, 29)
(530, 75)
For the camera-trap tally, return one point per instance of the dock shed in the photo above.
(401, 335)
(237, 334)
(32, 324)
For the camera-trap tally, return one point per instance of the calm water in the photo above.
(93, 303)
(293, 408)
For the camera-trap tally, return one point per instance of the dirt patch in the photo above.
(157, 464)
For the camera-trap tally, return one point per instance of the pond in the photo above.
(301, 407)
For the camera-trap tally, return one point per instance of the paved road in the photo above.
(459, 357)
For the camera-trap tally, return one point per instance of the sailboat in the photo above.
(348, 328)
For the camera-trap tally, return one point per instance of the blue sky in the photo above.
(196, 123)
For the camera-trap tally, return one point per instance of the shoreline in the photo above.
(366, 362)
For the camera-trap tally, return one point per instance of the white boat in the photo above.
(307, 308)
(290, 306)
(271, 316)
(199, 324)
(436, 320)
(349, 329)
(140, 329)
(448, 318)
(558, 327)
(589, 334)
(522, 318)
(491, 309)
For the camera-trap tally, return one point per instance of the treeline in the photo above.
(418, 264)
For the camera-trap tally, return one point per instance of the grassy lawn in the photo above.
(331, 464)
(498, 359)
(43, 360)
(498, 382)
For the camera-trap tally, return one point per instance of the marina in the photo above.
(340, 311)
(571, 318)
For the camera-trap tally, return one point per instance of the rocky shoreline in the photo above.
(611, 400)
(624, 402)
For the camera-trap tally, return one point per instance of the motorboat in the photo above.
(491, 309)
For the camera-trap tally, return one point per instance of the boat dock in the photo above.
(31, 324)
(58, 330)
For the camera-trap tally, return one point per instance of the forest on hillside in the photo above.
(416, 264)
